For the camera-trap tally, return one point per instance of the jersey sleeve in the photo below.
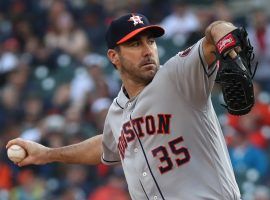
(194, 79)
(110, 154)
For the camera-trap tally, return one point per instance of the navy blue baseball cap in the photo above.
(126, 27)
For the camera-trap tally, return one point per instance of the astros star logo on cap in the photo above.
(136, 19)
(128, 26)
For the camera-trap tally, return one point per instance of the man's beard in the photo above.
(134, 72)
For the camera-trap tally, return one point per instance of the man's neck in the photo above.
(132, 90)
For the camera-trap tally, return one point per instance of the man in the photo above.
(162, 126)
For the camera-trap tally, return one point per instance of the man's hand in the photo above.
(218, 30)
(235, 53)
(35, 153)
(213, 33)
(86, 152)
(230, 47)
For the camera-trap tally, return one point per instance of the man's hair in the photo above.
(117, 48)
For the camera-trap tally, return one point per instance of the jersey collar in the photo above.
(122, 98)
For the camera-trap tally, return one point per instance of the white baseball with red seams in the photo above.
(16, 153)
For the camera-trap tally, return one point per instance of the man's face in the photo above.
(138, 59)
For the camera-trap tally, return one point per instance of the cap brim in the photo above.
(157, 31)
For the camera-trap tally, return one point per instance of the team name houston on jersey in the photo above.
(141, 126)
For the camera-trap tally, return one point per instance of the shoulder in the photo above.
(191, 52)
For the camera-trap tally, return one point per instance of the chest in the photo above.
(157, 115)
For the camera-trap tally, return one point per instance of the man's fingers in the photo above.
(232, 53)
(25, 162)
(237, 49)
(17, 141)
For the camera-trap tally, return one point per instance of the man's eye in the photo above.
(135, 44)
(151, 41)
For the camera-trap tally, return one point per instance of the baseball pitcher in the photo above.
(162, 126)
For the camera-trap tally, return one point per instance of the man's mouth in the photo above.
(148, 63)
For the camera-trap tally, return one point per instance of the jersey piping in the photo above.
(147, 162)
(119, 104)
(144, 190)
(204, 68)
(110, 161)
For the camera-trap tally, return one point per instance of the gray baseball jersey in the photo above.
(168, 137)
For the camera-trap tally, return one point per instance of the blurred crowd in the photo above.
(56, 86)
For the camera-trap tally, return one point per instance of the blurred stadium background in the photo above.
(56, 85)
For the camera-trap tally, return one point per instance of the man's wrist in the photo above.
(51, 155)
(218, 30)
(221, 29)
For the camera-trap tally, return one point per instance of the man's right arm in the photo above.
(86, 152)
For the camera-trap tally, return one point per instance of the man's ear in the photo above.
(113, 57)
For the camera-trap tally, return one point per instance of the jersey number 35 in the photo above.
(180, 153)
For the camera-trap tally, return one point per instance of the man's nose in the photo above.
(147, 50)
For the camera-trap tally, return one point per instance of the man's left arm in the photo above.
(213, 33)
(231, 47)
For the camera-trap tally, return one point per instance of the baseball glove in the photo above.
(235, 74)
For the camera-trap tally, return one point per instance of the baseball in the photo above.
(16, 153)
